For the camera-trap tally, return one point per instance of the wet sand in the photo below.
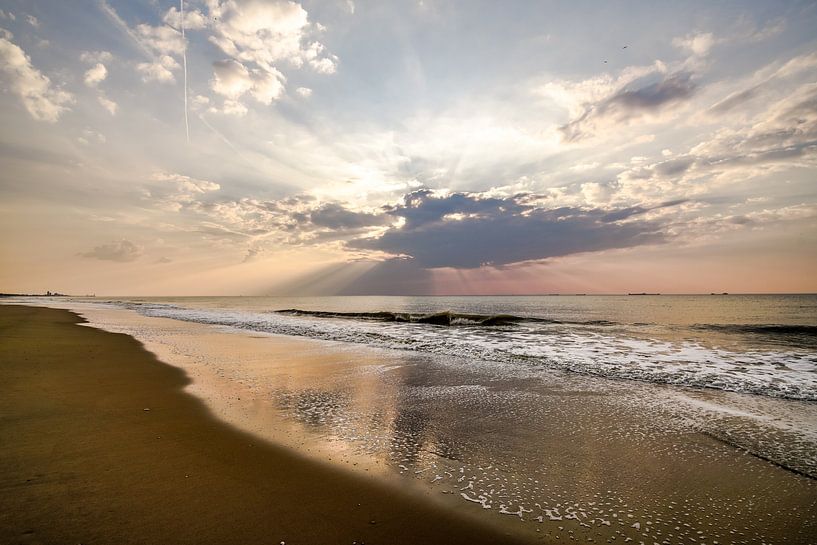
(101, 445)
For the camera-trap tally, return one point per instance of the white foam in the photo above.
(789, 374)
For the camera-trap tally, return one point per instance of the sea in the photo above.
(757, 344)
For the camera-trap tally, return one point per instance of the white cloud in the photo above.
(92, 57)
(161, 39)
(697, 43)
(41, 99)
(232, 80)
(267, 86)
(108, 104)
(160, 70)
(199, 101)
(7, 15)
(95, 74)
(173, 192)
(596, 194)
(324, 65)
(231, 107)
(193, 19)
(264, 33)
(305, 92)
(33, 21)
(185, 184)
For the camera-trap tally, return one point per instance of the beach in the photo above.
(524, 453)
(100, 445)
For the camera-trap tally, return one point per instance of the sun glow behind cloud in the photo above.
(396, 149)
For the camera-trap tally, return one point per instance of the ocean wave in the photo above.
(764, 329)
(444, 318)
(527, 347)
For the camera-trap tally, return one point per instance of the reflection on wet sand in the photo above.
(548, 454)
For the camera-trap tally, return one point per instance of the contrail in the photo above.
(184, 63)
(123, 26)
(225, 140)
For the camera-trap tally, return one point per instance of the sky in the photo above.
(409, 147)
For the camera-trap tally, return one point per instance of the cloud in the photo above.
(95, 74)
(465, 230)
(93, 57)
(252, 254)
(122, 251)
(90, 136)
(675, 87)
(630, 102)
(322, 65)
(173, 192)
(698, 43)
(781, 137)
(735, 100)
(335, 216)
(785, 129)
(41, 99)
(266, 32)
(774, 77)
(305, 92)
(111, 106)
(231, 107)
(159, 70)
(232, 80)
(163, 40)
(33, 21)
(796, 212)
(193, 19)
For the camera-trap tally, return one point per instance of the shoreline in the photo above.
(102, 445)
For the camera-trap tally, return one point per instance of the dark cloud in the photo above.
(675, 167)
(629, 102)
(335, 216)
(122, 251)
(252, 254)
(676, 87)
(465, 231)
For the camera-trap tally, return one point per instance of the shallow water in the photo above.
(760, 344)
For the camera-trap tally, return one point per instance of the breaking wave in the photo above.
(515, 343)
(445, 318)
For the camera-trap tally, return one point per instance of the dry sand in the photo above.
(101, 445)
